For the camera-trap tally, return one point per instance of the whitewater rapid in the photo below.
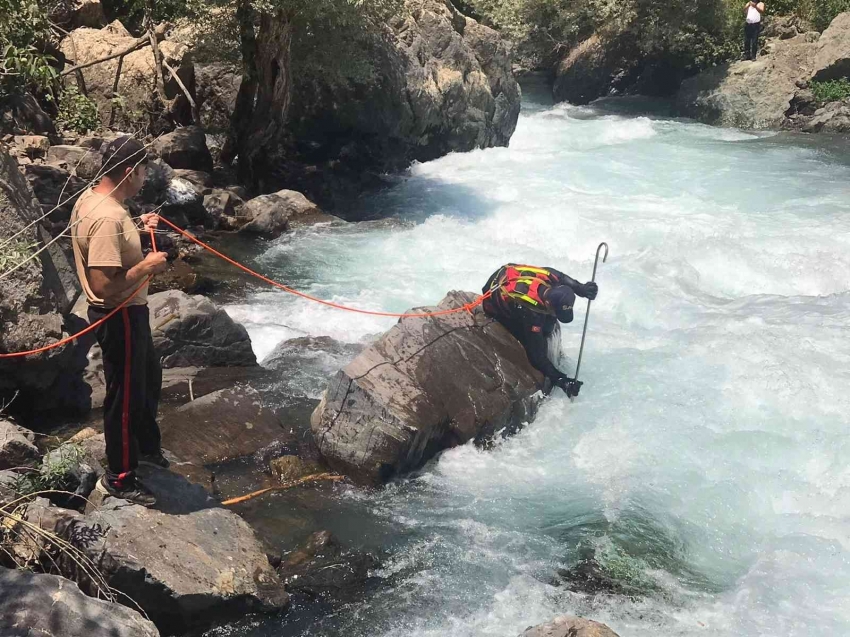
(707, 460)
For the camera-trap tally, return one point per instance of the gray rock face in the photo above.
(185, 148)
(764, 94)
(749, 94)
(51, 606)
(189, 563)
(833, 118)
(444, 84)
(225, 424)
(138, 75)
(217, 86)
(426, 385)
(190, 331)
(270, 215)
(569, 626)
(17, 448)
(832, 60)
(32, 298)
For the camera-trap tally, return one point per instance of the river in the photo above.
(706, 462)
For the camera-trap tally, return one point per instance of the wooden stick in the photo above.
(316, 477)
(195, 112)
(139, 43)
(115, 90)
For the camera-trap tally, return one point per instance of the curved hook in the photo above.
(604, 258)
(596, 262)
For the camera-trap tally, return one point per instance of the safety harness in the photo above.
(526, 284)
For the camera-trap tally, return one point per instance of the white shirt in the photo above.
(753, 16)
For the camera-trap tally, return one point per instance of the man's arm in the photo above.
(587, 290)
(536, 345)
(109, 281)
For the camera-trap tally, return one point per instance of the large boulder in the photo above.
(137, 85)
(32, 301)
(17, 446)
(749, 94)
(442, 82)
(832, 118)
(217, 86)
(190, 331)
(832, 58)
(570, 626)
(188, 564)
(426, 385)
(185, 148)
(271, 215)
(52, 606)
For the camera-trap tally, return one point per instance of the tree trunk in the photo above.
(264, 94)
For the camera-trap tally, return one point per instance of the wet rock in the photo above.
(570, 626)
(289, 468)
(225, 424)
(223, 206)
(138, 75)
(585, 73)
(185, 148)
(200, 179)
(270, 215)
(17, 446)
(52, 606)
(426, 385)
(321, 567)
(189, 563)
(190, 331)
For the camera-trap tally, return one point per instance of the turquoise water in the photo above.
(706, 461)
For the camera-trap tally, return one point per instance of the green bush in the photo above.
(831, 91)
(24, 34)
(77, 112)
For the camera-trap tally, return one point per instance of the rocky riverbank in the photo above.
(773, 92)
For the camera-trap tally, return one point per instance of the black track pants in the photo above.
(751, 40)
(133, 383)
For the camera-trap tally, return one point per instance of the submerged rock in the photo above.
(426, 385)
(570, 626)
(52, 606)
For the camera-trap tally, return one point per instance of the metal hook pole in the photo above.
(587, 315)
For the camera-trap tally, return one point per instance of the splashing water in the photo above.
(706, 461)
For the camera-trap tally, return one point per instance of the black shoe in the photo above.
(135, 492)
(156, 459)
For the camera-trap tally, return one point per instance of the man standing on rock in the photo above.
(529, 301)
(112, 269)
(752, 28)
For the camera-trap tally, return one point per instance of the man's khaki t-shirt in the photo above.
(105, 237)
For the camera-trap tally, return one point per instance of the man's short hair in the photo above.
(120, 154)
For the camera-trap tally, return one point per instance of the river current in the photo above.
(706, 463)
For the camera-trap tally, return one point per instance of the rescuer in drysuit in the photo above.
(528, 301)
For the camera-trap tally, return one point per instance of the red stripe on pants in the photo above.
(125, 410)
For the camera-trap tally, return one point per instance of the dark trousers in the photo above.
(133, 383)
(751, 40)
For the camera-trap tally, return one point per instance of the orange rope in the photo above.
(467, 307)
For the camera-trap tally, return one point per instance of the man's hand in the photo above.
(155, 262)
(150, 220)
(570, 386)
(587, 290)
